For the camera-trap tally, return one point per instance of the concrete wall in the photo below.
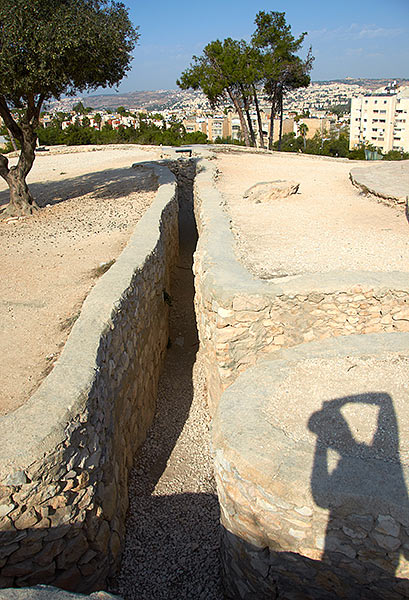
(65, 455)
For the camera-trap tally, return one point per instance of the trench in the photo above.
(171, 548)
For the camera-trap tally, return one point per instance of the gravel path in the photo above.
(328, 225)
(172, 540)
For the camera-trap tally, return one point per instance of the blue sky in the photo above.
(356, 38)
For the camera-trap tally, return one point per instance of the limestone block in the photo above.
(73, 550)
(40, 575)
(26, 551)
(402, 315)
(387, 525)
(50, 551)
(387, 542)
(271, 190)
(28, 519)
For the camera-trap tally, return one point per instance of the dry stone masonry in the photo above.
(286, 533)
(66, 454)
(241, 318)
(307, 509)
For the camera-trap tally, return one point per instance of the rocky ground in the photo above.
(91, 203)
(327, 225)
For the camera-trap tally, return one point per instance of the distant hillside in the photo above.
(173, 99)
(150, 100)
(370, 84)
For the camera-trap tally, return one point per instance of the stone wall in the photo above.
(241, 318)
(277, 542)
(297, 522)
(65, 455)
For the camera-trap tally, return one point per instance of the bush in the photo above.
(79, 135)
(396, 155)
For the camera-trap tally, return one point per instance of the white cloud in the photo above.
(372, 31)
(356, 31)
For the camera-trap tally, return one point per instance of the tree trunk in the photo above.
(250, 124)
(272, 116)
(239, 111)
(280, 135)
(260, 124)
(12, 140)
(21, 200)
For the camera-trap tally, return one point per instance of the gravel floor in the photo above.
(172, 542)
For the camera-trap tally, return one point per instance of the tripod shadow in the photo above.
(365, 491)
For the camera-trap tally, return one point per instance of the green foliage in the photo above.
(77, 134)
(218, 72)
(228, 140)
(336, 145)
(396, 155)
(59, 117)
(79, 108)
(282, 69)
(49, 48)
(357, 154)
(340, 109)
(195, 137)
(289, 143)
(51, 136)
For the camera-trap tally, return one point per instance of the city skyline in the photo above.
(367, 39)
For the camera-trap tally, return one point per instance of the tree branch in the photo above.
(4, 167)
(38, 110)
(9, 121)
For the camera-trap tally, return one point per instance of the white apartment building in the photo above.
(381, 119)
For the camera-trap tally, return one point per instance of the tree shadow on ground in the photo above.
(110, 183)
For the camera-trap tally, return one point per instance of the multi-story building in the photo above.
(381, 119)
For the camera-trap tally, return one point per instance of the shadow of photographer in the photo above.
(362, 484)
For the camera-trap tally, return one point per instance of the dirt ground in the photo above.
(328, 225)
(49, 262)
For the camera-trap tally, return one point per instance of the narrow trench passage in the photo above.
(172, 531)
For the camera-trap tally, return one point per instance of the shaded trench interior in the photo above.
(172, 532)
(172, 543)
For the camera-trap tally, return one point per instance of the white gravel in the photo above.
(172, 541)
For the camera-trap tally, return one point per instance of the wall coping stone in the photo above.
(265, 455)
(38, 426)
(48, 592)
(227, 277)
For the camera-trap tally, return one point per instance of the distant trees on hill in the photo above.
(47, 49)
(333, 144)
(145, 133)
(235, 70)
